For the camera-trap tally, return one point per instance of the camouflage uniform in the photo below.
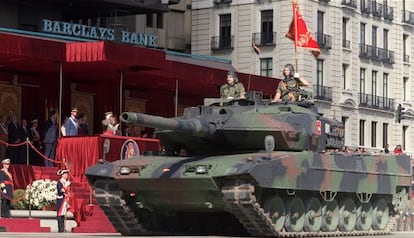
(232, 91)
(285, 89)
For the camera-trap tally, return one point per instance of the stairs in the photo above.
(90, 219)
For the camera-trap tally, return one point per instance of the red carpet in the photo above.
(22, 225)
(88, 221)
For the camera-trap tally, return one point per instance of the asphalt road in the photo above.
(89, 235)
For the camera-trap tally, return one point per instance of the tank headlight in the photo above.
(125, 171)
(201, 169)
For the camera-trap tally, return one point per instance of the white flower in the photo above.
(41, 193)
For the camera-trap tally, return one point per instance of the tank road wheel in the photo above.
(364, 216)
(380, 215)
(330, 214)
(276, 209)
(313, 216)
(295, 215)
(347, 215)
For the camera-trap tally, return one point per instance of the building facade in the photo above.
(361, 76)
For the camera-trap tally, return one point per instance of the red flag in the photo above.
(299, 33)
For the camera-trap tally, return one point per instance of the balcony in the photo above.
(224, 42)
(349, 3)
(366, 6)
(377, 9)
(387, 56)
(264, 38)
(324, 41)
(406, 58)
(365, 51)
(376, 102)
(346, 44)
(408, 17)
(388, 13)
(322, 93)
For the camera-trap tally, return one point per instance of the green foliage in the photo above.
(19, 202)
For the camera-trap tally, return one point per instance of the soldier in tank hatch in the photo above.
(287, 89)
(233, 89)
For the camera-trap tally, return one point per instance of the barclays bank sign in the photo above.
(98, 33)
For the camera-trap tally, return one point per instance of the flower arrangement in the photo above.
(42, 193)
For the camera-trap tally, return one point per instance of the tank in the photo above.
(250, 167)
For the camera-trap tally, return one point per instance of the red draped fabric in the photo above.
(30, 47)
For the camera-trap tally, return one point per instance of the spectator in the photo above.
(71, 123)
(398, 150)
(83, 125)
(51, 134)
(387, 149)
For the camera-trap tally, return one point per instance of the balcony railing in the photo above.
(322, 93)
(324, 0)
(376, 102)
(264, 38)
(376, 53)
(387, 56)
(377, 9)
(388, 13)
(349, 3)
(406, 59)
(346, 44)
(408, 17)
(366, 6)
(224, 42)
(324, 41)
(365, 51)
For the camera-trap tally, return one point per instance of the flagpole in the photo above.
(295, 22)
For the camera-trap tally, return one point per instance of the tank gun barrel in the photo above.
(193, 126)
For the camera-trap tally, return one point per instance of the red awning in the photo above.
(142, 67)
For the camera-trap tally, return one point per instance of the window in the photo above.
(345, 76)
(385, 85)
(374, 134)
(266, 67)
(320, 22)
(385, 39)
(384, 134)
(267, 27)
(374, 84)
(160, 20)
(345, 42)
(362, 34)
(405, 53)
(404, 137)
(374, 36)
(345, 123)
(225, 31)
(362, 81)
(405, 88)
(361, 132)
(319, 72)
(150, 21)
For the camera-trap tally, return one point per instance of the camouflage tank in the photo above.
(253, 168)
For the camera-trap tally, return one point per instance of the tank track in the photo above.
(109, 197)
(241, 202)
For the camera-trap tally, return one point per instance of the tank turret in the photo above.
(240, 125)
